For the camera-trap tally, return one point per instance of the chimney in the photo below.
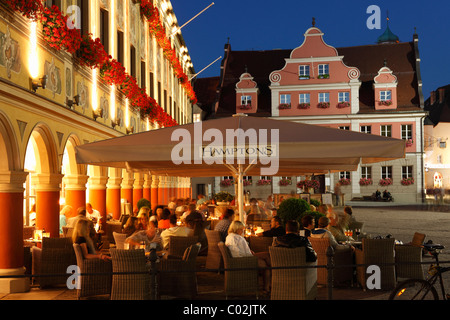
(432, 97)
(441, 95)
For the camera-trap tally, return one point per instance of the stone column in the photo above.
(127, 187)
(113, 196)
(97, 194)
(138, 188)
(155, 192)
(75, 191)
(11, 232)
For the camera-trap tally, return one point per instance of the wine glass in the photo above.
(357, 232)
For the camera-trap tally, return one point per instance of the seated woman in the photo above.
(131, 226)
(239, 248)
(195, 222)
(81, 236)
(164, 222)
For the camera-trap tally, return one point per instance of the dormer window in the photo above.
(303, 72)
(324, 72)
(386, 97)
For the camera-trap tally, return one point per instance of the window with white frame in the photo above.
(246, 100)
(324, 97)
(344, 128)
(324, 70)
(366, 129)
(304, 98)
(386, 130)
(344, 175)
(406, 131)
(385, 95)
(285, 99)
(344, 96)
(366, 172)
(303, 71)
(407, 172)
(386, 172)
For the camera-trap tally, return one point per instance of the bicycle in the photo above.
(420, 289)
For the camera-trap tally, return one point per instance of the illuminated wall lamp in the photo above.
(40, 83)
(97, 113)
(115, 122)
(130, 130)
(75, 100)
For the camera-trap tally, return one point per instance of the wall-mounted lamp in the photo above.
(40, 83)
(130, 130)
(115, 122)
(97, 113)
(75, 100)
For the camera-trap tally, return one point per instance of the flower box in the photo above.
(304, 105)
(245, 107)
(323, 76)
(342, 105)
(308, 184)
(303, 77)
(283, 106)
(263, 182)
(365, 181)
(323, 105)
(385, 182)
(226, 183)
(409, 142)
(247, 183)
(285, 182)
(407, 181)
(345, 181)
(385, 103)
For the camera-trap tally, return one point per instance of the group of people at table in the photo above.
(153, 229)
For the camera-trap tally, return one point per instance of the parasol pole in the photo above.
(240, 178)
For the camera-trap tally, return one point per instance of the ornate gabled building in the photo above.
(375, 89)
(74, 72)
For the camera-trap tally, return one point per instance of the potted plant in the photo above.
(343, 104)
(407, 181)
(247, 183)
(226, 183)
(245, 107)
(292, 209)
(345, 181)
(285, 182)
(409, 142)
(385, 182)
(223, 198)
(365, 181)
(264, 182)
(308, 184)
(323, 76)
(385, 103)
(283, 106)
(304, 105)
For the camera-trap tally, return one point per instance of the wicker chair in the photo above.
(130, 286)
(292, 284)
(214, 258)
(239, 282)
(178, 277)
(341, 275)
(408, 261)
(112, 227)
(119, 239)
(418, 240)
(178, 245)
(54, 257)
(95, 284)
(376, 252)
(260, 244)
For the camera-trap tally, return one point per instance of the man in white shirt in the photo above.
(174, 230)
(92, 214)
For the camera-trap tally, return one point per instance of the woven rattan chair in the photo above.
(341, 275)
(178, 245)
(119, 239)
(97, 275)
(296, 283)
(214, 258)
(239, 282)
(130, 286)
(376, 252)
(112, 227)
(178, 277)
(418, 239)
(54, 257)
(408, 261)
(260, 244)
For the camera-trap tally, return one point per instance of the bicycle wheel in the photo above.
(414, 289)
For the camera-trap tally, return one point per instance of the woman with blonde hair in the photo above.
(239, 247)
(64, 214)
(81, 236)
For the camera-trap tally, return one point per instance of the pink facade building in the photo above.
(375, 89)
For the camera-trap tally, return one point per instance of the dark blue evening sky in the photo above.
(266, 25)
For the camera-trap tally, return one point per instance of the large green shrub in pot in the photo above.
(292, 209)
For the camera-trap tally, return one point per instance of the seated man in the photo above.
(308, 224)
(145, 237)
(276, 229)
(292, 240)
(322, 232)
(174, 230)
